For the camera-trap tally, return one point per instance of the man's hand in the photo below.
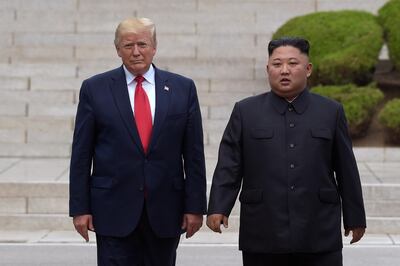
(82, 224)
(214, 222)
(192, 223)
(357, 233)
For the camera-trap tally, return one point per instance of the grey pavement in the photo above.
(66, 248)
(188, 255)
(204, 237)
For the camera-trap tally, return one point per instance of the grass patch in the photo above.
(389, 117)
(389, 18)
(359, 104)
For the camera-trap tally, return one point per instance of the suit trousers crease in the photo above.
(142, 247)
(333, 258)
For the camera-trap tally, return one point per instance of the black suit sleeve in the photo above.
(82, 154)
(228, 173)
(193, 155)
(347, 176)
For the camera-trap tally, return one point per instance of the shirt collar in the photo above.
(300, 103)
(148, 76)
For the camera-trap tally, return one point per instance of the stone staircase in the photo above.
(47, 47)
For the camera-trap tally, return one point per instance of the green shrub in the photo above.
(345, 45)
(359, 104)
(390, 119)
(389, 17)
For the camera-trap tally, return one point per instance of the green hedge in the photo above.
(389, 17)
(389, 116)
(345, 45)
(359, 104)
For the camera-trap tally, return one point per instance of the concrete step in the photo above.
(379, 194)
(20, 70)
(375, 225)
(49, 150)
(41, 205)
(36, 222)
(38, 187)
(59, 150)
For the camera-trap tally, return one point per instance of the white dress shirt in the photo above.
(149, 86)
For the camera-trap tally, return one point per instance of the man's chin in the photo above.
(286, 89)
(137, 69)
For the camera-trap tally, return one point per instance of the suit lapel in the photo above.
(162, 104)
(119, 90)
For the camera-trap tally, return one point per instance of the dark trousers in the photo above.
(296, 259)
(140, 248)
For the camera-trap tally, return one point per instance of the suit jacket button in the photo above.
(291, 145)
(291, 166)
(292, 187)
(141, 188)
(291, 125)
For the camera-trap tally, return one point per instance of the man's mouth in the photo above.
(285, 81)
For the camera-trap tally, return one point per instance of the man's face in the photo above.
(136, 51)
(288, 70)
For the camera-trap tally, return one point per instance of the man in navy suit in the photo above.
(290, 154)
(137, 175)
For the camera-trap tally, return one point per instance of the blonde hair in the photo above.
(136, 25)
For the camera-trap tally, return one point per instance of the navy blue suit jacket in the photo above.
(109, 170)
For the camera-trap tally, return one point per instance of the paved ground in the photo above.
(193, 255)
(65, 248)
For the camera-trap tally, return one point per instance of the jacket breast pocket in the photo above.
(251, 196)
(262, 133)
(104, 182)
(321, 133)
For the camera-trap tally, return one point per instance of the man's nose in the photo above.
(284, 69)
(135, 50)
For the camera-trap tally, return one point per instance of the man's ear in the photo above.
(309, 69)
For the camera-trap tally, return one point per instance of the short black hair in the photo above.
(300, 43)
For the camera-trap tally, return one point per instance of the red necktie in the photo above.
(142, 114)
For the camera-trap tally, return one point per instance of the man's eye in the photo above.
(142, 45)
(276, 64)
(293, 63)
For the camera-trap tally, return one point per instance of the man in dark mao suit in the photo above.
(289, 154)
(137, 175)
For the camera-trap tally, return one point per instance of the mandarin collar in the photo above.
(300, 103)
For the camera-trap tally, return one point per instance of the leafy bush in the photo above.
(345, 45)
(359, 104)
(389, 17)
(390, 119)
